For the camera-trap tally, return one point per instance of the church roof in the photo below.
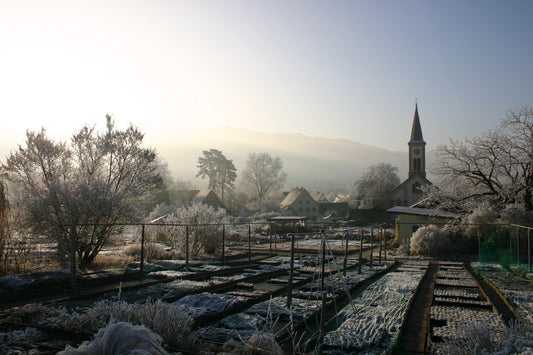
(416, 130)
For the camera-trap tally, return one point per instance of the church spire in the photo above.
(416, 130)
(417, 148)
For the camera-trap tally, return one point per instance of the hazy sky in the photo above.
(334, 69)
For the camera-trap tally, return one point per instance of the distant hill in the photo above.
(311, 162)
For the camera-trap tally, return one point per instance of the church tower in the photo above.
(410, 191)
(417, 148)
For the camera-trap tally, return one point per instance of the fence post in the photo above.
(385, 245)
(270, 249)
(380, 243)
(187, 247)
(529, 250)
(141, 268)
(249, 244)
(291, 275)
(360, 250)
(73, 257)
(371, 244)
(345, 256)
(223, 243)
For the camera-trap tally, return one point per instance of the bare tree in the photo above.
(219, 169)
(263, 175)
(376, 184)
(94, 183)
(496, 167)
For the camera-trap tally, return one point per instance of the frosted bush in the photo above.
(430, 240)
(120, 338)
(480, 340)
(260, 343)
(162, 318)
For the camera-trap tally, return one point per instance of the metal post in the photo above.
(345, 256)
(141, 269)
(187, 247)
(322, 324)
(73, 257)
(223, 244)
(249, 244)
(323, 262)
(360, 250)
(291, 275)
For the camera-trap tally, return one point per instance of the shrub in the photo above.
(430, 241)
(152, 251)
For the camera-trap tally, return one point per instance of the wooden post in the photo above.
(249, 244)
(371, 244)
(360, 250)
(291, 275)
(345, 256)
(529, 250)
(380, 243)
(187, 247)
(73, 257)
(518, 247)
(223, 244)
(270, 246)
(385, 244)
(141, 269)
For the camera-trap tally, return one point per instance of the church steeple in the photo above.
(416, 130)
(417, 148)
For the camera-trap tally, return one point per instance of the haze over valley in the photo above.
(312, 162)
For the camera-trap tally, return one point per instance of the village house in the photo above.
(299, 202)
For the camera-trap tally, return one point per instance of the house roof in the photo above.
(319, 197)
(288, 218)
(292, 196)
(416, 130)
(201, 195)
(429, 212)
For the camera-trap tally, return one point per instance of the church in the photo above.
(409, 192)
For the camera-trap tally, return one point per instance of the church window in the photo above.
(416, 188)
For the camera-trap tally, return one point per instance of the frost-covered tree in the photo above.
(205, 229)
(376, 185)
(94, 183)
(495, 167)
(219, 169)
(263, 176)
(4, 223)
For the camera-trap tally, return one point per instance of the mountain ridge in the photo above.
(312, 162)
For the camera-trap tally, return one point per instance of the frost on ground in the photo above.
(120, 338)
(305, 303)
(372, 320)
(517, 291)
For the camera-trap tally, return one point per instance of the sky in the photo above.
(333, 69)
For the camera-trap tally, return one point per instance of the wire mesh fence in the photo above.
(136, 248)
